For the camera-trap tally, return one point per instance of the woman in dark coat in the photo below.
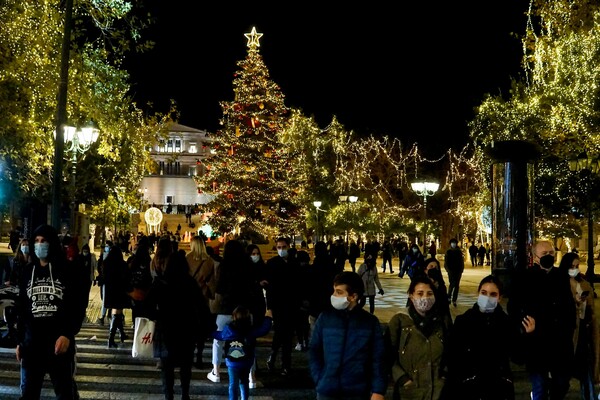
(180, 312)
(116, 282)
(479, 349)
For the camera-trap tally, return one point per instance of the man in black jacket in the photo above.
(284, 298)
(543, 293)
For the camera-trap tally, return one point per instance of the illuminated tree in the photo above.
(555, 101)
(30, 46)
(251, 172)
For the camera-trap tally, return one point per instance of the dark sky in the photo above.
(409, 71)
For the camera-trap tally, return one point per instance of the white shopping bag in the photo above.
(143, 338)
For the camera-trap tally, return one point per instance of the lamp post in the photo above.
(588, 166)
(424, 189)
(317, 204)
(61, 114)
(349, 199)
(77, 141)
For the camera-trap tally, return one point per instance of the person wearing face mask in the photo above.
(201, 267)
(479, 364)
(415, 344)
(454, 264)
(413, 262)
(586, 337)
(100, 280)
(17, 262)
(368, 273)
(543, 293)
(47, 318)
(284, 298)
(346, 349)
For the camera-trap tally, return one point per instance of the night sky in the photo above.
(412, 71)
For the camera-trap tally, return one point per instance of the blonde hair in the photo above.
(198, 248)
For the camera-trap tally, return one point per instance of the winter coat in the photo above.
(413, 264)
(116, 282)
(346, 354)
(370, 278)
(479, 349)
(416, 357)
(546, 296)
(180, 313)
(454, 261)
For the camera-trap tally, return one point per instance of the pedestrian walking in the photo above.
(454, 265)
(370, 277)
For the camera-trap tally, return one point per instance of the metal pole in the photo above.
(590, 273)
(317, 224)
(424, 220)
(61, 115)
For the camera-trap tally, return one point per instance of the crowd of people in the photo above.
(310, 305)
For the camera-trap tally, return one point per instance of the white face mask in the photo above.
(487, 304)
(339, 303)
(282, 253)
(255, 258)
(573, 272)
(453, 245)
(423, 304)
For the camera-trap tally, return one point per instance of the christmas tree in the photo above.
(249, 173)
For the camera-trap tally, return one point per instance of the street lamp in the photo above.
(349, 199)
(77, 141)
(424, 189)
(317, 204)
(589, 166)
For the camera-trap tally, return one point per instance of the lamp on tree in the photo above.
(317, 204)
(588, 167)
(77, 141)
(424, 189)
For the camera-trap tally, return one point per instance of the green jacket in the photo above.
(417, 358)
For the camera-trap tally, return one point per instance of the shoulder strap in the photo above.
(198, 269)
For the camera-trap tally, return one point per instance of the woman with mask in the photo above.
(479, 348)
(368, 272)
(586, 336)
(413, 262)
(415, 342)
(17, 263)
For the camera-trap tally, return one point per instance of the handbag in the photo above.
(143, 338)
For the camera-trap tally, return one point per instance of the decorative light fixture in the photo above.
(424, 189)
(317, 205)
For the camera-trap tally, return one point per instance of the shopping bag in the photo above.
(143, 338)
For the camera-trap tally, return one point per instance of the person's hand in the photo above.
(18, 353)
(377, 396)
(381, 292)
(269, 313)
(529, 324)
(62, 345)
(408, 382)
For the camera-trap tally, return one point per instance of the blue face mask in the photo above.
(41, 250)
(25, 249)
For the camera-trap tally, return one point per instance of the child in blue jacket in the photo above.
(239, 351)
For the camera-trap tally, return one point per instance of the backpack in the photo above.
(236, 349)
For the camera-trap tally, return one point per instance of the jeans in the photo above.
(238, 382)
(60, 368)
(454, 284)
(217, 348)
(545, 388)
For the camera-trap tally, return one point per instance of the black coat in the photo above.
(546, 296)
(479, 349)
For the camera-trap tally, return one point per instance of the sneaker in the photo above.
(298, 347)
(213, 377)
(252, 384)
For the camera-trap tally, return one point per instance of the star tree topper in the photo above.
(253, 38)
